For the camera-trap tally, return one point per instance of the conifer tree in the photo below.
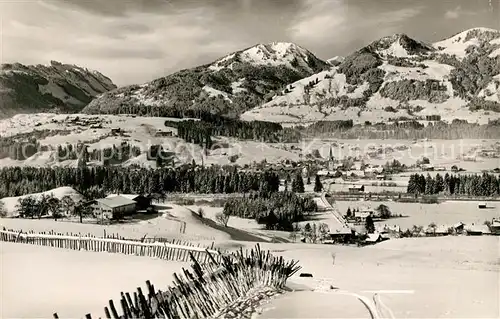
(318, 187)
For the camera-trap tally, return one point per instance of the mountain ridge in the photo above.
(398, 77)
(40, 88)
(229, 85)
(395, 76)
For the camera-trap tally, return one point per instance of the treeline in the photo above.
(277, 210)
(24, 145)
(470, 185)
(201, 132)
(330, 126)
(403, 130)
(116, 154)
(96, 181)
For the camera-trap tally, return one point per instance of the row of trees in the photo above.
(37, 207)
(202, 132)
(408, 130)
(277, 210)
(96, 181)
(116, 154)
(470, 185)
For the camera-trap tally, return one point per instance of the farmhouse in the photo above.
(113, 207)
(476, 230)
(361, 216)
(342, 236)
(373, 239)
(142, 202)
(326, 173)
(355, 173)
(427, 167)
(495, 227)
(161, 133)
(356, 189)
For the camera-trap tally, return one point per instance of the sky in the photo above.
(135, 41)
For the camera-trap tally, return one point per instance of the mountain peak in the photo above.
(272, 54)
(35, 88)
(461, 43)
(399, 45)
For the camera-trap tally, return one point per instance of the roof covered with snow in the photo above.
(116, 201)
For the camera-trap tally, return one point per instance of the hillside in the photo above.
(230, 85)
(39, 88)
(397, 76)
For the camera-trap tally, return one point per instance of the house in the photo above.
(342, 236)
(495, 227)
(326, 173)
(440, 168)
(361, 216)
(439, 231)
(427, 167)
(142, 202)
(374, 170)
(161, 133)
(355, 173)
(356, 189)
(381, 177)
(476, 230)
(459, 227)
(482, 206)
(113, 207)
(373, 238)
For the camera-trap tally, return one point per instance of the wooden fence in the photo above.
(178, 251)
(206, 289)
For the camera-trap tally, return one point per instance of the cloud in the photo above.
(319, 20)
(342, 25)
(129, 48)
(453, 14)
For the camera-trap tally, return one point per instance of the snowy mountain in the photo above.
(230, 85)
(39, 88)
(336, 60)
(398, 77)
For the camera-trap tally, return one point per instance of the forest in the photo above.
(469, 185)
(202, 131)
(278, 210)
(95, 182)
(407, 129)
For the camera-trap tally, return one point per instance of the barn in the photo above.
(113, 207)
(143, 202)
(357, 189)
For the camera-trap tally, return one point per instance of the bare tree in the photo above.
(222, 219)
(67, 204)
(54, 206)
(3, 211)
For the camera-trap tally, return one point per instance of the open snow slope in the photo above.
(412, 77)
(447, 213)
(10, 203)
(38, 281)
(141, 132)
(167, 225)
(448, 277)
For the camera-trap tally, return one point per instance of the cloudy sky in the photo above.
(134, 41)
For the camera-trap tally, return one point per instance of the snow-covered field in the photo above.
(447, 213)
(449, 277)
(38, 281)
(167, 225)
(140, 131)
(10, 203)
